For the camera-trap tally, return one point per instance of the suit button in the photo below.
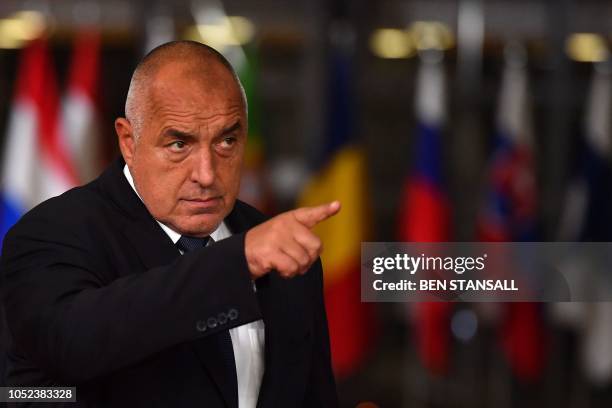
(232, 314)
(201, 326)
(212, 322)
(222, 318)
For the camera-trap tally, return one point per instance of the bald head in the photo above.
(186, 59)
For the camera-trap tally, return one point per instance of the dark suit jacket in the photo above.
(97, 296)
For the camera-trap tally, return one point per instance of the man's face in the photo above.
(186, 160)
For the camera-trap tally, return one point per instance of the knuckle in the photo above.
(288, 272)
(295, 268)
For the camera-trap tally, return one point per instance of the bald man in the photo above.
(153, 285)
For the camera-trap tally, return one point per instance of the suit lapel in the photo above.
(151, 244)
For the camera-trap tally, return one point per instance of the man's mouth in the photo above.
(202, 203)
(202, 200)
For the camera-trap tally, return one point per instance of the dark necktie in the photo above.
(188, 244)
(223, 338)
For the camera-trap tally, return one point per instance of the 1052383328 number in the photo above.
(49, 394)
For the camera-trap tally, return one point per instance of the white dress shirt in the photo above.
(247, 340)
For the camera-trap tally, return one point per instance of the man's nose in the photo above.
(203, 171)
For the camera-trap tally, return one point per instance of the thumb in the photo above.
(311, 216)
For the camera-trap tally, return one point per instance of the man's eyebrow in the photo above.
(179, 134)
(233, 128)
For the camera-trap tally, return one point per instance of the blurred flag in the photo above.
(36, 164)
(80, 112)
(587, 217)
(596, 223)
(509, 212)
(510, 208)
(343, 178)
(424, 212)
(596, 353)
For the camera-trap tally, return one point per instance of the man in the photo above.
(153, 285)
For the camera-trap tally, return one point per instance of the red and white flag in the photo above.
(80, 113)
(36, 163)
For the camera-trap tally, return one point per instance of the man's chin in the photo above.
(203, 226)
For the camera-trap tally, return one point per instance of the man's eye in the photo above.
(228, 142)
(177, 145)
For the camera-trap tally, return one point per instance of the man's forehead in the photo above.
(189, 102)
(210, 76)
(198, 121)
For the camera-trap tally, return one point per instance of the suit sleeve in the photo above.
(76, 327)
(321, 390)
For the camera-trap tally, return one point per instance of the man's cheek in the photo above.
(226, 175)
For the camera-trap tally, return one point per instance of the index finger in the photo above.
(311, 216)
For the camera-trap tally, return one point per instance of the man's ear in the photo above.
(125, 137)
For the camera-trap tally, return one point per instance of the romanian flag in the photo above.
(343, 178)
(509, 214)
(424, 211)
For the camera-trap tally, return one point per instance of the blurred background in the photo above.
(446, 120)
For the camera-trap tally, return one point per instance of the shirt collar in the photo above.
(218, 234)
